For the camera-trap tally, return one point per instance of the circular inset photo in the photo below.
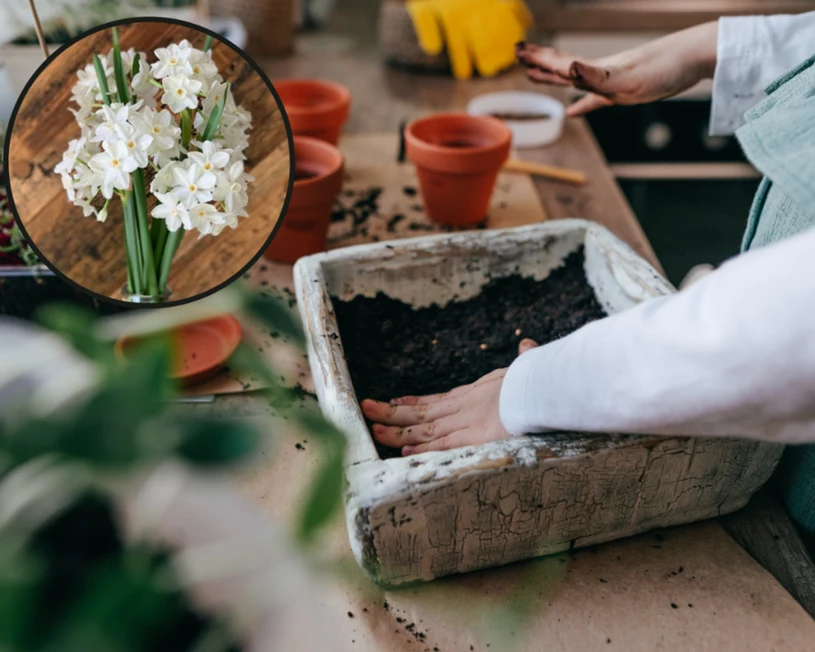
(149, 162)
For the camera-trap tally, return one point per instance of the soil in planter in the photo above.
(21, 296)
(395, 350)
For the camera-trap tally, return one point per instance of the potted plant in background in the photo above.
(171, 114)
(116, 531)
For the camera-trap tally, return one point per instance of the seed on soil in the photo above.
(483, 347)
(518, 332)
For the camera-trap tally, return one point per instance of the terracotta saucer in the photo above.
(201, 348)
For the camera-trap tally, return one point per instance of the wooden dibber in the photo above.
(549, 171)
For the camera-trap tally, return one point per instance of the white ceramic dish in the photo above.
(525, 133)
(455, 511)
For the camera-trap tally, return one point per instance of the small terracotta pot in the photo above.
(315, 108)
(457, 158)
(317, 181)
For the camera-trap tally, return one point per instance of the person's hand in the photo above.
(461, 417)
(654, 71)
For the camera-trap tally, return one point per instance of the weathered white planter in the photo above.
(438, 513)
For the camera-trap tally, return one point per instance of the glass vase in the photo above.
(132, 297)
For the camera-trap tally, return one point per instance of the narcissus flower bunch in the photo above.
(167, 139)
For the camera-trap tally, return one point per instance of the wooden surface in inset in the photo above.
(92, 254)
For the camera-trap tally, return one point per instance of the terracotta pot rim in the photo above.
(420, 143)
(328, 148)
(335, 104)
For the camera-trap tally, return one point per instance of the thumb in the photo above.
(591, 78)
(586, 104)
(526, 345)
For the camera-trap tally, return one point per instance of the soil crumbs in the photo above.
(394, 350)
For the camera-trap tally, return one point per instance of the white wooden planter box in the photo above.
(433, 514)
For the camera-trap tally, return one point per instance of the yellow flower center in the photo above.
(207, 166)
(173, 61)
(115, 162)
(156, 130)
(192, 187)
(180, 91)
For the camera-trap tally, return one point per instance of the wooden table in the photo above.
(688, 588)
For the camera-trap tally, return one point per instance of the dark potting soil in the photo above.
(83, 541)
(21, 296)
(395, 350)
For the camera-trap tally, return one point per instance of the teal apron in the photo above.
(779, 140)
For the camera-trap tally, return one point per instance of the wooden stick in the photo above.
(38, 28)
(549, 171)
(204, 12)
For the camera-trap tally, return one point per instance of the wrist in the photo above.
(703, 48)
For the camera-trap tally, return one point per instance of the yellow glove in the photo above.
(477, 33)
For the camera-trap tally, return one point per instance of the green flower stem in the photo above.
(208, 43)
(140, 196)
(186, 128)
(215, 117)
(158, 233)
(118, 70)
(173, 243)
(132, 247)
(102, 79)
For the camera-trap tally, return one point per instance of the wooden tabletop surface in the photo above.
(93, 254)
(635, 594)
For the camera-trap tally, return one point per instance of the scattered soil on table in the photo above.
(395, 350)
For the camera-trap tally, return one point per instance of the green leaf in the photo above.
(324, 497)
(217, 442)
(76, 324)
(118, 69)
(276, 315)
(116, 426)
(102, 79)
(136, 67)
(215, 117)
(20, 576)
(208, 43)
(313, 422)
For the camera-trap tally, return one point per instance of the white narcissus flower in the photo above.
(114, 165)
(203, 69)
(75, 149)
(160, 126)
(231, 188)
(173, 212)
(210, 158)
(193, 185)
(114, 121)
(173, 60)
(138, 144)
(205, 217)
(180, 93)
(164, 179)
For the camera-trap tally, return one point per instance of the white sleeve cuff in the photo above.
(517, 395)
(738, 83)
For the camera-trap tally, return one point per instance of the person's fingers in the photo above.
(455, 439)
(526, 344)
(396, 437)
(406, 415)
(539, 76)
(587, 104)
(593, 78)
(547, 59)
(431, 398)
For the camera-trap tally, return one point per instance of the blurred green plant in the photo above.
(68, 580)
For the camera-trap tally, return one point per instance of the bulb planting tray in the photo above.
(417, 518)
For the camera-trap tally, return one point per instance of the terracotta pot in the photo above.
(315, 108)
(317, 181)
(457, 158)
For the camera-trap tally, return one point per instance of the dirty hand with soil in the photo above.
(464, 416)
(654, 71)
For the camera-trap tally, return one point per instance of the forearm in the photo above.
(733, 355)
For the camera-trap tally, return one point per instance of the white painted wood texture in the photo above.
(418, 518)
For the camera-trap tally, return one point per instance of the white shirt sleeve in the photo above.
(752, 52)
(731, 355)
